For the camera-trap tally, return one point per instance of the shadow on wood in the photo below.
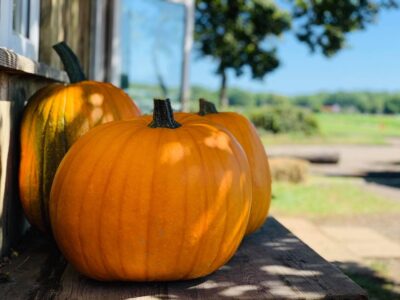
(270, 264)
(377, 286)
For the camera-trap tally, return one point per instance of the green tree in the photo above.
(392, 106)
(242, 34)
(233, 32)
(239, 97)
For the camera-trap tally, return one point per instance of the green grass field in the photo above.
(328, 197)
(343, 129)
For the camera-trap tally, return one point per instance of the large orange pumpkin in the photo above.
(141, 201)
(246, 134)
(53, 119)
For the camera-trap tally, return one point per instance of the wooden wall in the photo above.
(66, 20)
(76, 22)
(15, 89)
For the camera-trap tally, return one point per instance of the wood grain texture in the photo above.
(15, 89)
(67, 21)
(13, 63)
(270, 264)
(35, 272)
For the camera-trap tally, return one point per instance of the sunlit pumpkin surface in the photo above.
(131, 202)
(246, 134)
(54, 118)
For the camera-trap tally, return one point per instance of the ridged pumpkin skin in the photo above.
(135, 203)
(246, 134)
(53, 119)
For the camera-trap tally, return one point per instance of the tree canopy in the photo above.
(242, 34)
(323, 24)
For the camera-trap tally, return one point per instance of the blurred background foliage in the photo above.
(369, 115)
(357, 121)
(243, 34)
(284, 118)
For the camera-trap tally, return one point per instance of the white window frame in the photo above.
(14, 41)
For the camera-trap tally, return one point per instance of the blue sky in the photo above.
(371, 61)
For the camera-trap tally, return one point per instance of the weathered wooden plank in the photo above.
(271, 264)
(12, 220)
(76, 286)
(89, 28)
(68, 21)
(10, 62)
(32, 270)
(15, 89)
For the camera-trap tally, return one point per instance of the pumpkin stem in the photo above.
(70, 61)
(163, 116)
(206, 107)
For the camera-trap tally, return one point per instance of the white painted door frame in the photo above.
(26, 46)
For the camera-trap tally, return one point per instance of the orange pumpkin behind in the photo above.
(246, 134)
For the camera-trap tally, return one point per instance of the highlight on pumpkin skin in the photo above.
(246, 134)
(131, 202)
(54, 118)
(219, 141)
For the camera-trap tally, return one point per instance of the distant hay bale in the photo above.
(289, 169)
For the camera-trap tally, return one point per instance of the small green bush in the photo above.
(284, 118)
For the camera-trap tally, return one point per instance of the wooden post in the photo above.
(97, 70)
(186, 49)
(20, 77)
(105, 63)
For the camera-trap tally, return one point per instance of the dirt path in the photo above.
(378, 166)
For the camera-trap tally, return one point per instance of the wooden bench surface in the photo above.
(270, 264)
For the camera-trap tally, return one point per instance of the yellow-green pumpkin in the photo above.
(54, 118)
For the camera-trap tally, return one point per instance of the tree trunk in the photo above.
(187, 48)
(223, 97)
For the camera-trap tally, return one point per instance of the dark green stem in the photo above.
(206, 107)
(163, 116)
(70, 61)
